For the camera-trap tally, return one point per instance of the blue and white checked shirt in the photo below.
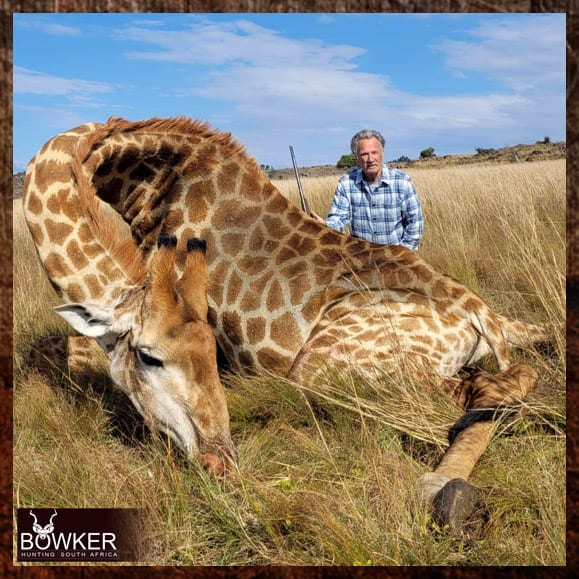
(390, 215)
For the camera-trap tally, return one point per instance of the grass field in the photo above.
(335, 485)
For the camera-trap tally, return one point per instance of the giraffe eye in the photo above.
(147, 359)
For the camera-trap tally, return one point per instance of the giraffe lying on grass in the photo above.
(285, 294)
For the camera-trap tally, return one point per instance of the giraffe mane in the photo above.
(123, 251)
(180, 125)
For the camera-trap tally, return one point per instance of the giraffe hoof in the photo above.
(453, 504)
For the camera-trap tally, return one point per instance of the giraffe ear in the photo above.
(89, 319)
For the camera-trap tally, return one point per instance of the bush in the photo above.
(346, 161)
(427, 153)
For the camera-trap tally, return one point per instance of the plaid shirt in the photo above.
(390, 215)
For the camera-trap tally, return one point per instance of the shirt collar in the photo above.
(384, 179)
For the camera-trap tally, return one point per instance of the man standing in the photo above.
(379, 204)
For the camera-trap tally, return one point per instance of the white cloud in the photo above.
(38, 83)
(39, 25)
(262, 72)
(298, 87)
(217, 44)
(523, 53)
(464, 112)
(57, 118)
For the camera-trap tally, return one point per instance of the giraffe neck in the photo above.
(78, 244)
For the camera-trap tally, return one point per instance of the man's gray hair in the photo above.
(365, 134)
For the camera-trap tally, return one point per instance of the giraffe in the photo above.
(149, 322)
(285, 293)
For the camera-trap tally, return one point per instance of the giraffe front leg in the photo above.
(446, 490)
(330, 350)
(67, 355)
(86, 355)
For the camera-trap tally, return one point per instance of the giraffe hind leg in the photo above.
(447, 490)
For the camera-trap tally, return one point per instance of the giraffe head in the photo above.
(163, 353)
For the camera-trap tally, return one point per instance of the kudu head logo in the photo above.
(43, 532)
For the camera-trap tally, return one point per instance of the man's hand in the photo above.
(317, 217)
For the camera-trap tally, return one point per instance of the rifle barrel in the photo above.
(303, 200)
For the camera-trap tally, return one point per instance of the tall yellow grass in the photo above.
(329, 483)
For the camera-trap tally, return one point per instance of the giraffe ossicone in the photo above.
(284, 293)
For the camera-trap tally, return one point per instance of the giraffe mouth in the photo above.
(217, 456)
(187, 439)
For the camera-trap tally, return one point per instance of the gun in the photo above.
(304, 201)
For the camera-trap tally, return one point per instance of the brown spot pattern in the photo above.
(37, 234)
(33, 203)
(49, 172)
(76, 255)
(257, 239)
(217, 282)
(275, 297)
(226, 178)
(240, 209)
(196, 203)
(252, 184)
(232, 243)
(56, 266)
(299, 286)
(277, 204)
(251, 301)
(274, 361)
(95, 288)
(76, 293)
(285, 331)
(231, 324)
(255, 330)
(253, 265)
(174, 220)
(57, 232)
(234, 289)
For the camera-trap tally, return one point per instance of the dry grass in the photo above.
(328, 481)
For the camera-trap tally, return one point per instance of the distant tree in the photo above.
(481, 151)
(346, 161)
(427, 153)
(402, 159)
(547, 140)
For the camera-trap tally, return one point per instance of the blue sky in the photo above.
(454, 82)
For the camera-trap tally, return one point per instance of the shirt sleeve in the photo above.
(412, 218)
(339, 215)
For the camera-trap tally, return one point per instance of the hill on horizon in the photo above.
(540, 151)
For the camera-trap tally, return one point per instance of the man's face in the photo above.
(370, 158)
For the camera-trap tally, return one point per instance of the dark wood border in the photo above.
(8, 8)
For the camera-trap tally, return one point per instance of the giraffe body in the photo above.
(285, 293)
(281, 286)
